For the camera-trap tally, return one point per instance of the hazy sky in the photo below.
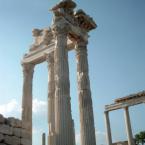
(116, 54)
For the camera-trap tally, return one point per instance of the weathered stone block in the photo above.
(6, 129)
(16, 140)
(1, 137)
(25, 134)
(11, 121)
(2, 144)
(17, 132)
(25, 125)
(2, 119)
(8, 139)
(18, 123)
(12, 140)
(26, 142)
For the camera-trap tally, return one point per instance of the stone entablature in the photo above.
(131, 97)
(127, 101)
(43, 45)
(13, 132)
(123, 103)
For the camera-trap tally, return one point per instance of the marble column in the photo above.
(43, 139)
(28, 70)
(84, 92)
(63, 117)
(51, 99)
(128, 127)
(108, 128)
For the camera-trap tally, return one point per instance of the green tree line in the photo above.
(140, 138)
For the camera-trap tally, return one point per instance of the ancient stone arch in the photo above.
(69, 31)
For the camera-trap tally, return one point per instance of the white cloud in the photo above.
(13, 108)
(39, 106)
(10, 109)
(77, 137)
(35, 131)
(100, 138)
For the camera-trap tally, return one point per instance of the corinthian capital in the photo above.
(50, 58)
(82, 43)
(28, 69)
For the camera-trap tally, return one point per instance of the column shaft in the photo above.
(63, 117)
(108, 128)
(51, 99)
(43, 139)
(128, 127)
(85, 100)
(28, 70)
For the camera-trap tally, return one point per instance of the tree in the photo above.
(140, 138)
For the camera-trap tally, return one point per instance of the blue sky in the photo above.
(116, 54)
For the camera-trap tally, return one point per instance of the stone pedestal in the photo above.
(63, 117)
(108, 128)
(84, 92)
(28, 70)
(128, 127)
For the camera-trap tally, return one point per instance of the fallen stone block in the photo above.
(6, 129)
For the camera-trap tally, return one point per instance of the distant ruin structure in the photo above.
(69, 31)
(123, 103)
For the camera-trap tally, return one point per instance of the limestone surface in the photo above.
(2, 120)
(11, 132)
(6, 129)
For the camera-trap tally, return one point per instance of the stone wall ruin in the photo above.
(13, 132)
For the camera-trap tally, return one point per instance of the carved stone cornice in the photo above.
(85, 21)
(65, 4)
(126, 103)
(42, 38)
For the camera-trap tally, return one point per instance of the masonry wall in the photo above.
(12, 132)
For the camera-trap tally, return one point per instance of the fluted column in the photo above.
(108, 128)
(84, 92)
(63, 117)
(28, 70)
(128, 127)
(43, 139)
(51, 99)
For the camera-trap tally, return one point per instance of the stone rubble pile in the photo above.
(13, 132)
